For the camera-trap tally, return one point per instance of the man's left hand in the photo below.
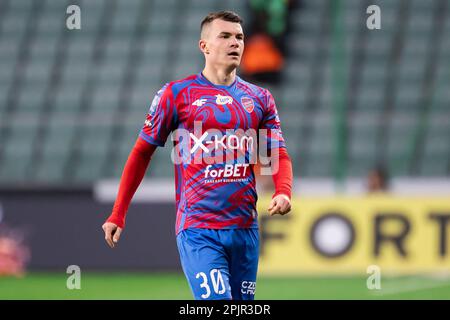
(281, 204)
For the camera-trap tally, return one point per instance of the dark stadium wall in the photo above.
(63, 228)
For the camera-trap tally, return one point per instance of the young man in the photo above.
(214, 116)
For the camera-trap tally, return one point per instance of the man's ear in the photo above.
(203, 46)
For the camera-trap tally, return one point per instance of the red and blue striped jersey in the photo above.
(217, 130)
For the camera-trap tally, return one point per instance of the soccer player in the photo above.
(214, 116)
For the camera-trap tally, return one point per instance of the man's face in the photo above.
(223, 43)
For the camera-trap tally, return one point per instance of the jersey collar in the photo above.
(231, 86)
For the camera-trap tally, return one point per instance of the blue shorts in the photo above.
(220, 264)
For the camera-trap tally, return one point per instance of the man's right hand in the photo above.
(112, 233)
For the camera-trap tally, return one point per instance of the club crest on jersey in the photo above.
(248, 104)
(223, 99)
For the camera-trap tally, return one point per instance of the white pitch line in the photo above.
(409, 286)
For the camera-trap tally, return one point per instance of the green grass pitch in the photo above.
(162, 286)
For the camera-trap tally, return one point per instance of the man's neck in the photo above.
(219, 77)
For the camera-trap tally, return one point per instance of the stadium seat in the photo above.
(92, 87)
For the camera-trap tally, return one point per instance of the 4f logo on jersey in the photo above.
(248, 104)
(223, 99)
(219, 100)
(199, 102)
(148, 123)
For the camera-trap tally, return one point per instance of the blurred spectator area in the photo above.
(73, 101)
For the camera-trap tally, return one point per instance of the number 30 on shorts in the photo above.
(216, 280)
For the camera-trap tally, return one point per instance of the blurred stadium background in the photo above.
(350, 99)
